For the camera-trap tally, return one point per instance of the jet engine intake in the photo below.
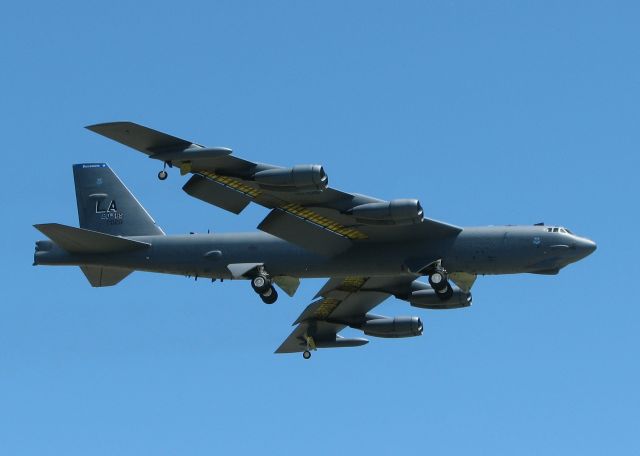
(300, 178)
(429, 299)
(394, 212)
(393, 327)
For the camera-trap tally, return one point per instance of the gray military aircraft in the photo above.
(369, 248)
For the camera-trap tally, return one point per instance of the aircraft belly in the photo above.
(211, 257)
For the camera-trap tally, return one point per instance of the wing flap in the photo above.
(217, 194)
(308, 235)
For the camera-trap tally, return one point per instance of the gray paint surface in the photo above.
(308, 234)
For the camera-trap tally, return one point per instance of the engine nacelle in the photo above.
(395, 212)
(429, 299)
(393, 327)
(300, 178)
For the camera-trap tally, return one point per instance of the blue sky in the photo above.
(492, 113)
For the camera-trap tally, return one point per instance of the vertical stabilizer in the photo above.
(106, 205)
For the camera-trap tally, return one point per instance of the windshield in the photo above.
(558, 229)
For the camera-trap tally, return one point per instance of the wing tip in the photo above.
(100, 126)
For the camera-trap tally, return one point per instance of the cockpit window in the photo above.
(557, 229)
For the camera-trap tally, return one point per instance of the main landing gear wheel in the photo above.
(270, 296)
(438, 280)
(306, 354)
(445, 294)
(261, 284)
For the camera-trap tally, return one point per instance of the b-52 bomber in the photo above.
(370, 249)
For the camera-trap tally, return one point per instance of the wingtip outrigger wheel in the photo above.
(311, 345)
(162, 175)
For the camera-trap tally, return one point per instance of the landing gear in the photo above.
(162, 175)
(446, 294)
(270, 296)
(439, 282)
(261, 283)
(311, 345)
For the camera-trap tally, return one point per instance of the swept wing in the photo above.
(318, 218)
(342, 302)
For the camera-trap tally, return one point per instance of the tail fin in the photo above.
(107, 206)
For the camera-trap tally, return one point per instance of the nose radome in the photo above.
(587, 246)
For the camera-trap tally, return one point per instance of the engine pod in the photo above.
(300, 178)
(395, 212)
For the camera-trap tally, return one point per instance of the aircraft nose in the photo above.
(585, 246)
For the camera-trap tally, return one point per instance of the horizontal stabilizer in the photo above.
(99, 276)
(80, 240)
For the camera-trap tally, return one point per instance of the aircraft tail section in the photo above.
(86, 242)
(106, 205)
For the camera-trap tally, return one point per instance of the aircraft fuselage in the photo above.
(476, 250)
